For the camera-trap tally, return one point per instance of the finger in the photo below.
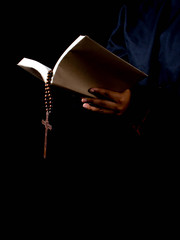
(107, 106)
(101, 103)
(97, 109)
(106, 93)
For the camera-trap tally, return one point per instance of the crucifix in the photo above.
(47, 127)
(48, 106)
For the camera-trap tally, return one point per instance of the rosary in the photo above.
(48, 107)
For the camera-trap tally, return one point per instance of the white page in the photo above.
(91, 65)
(66, 51)
(35, 68)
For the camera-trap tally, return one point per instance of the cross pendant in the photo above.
(47, 126)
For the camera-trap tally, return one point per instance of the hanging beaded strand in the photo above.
(48, 97)
(48, 107)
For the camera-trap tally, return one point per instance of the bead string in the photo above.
(47, 96)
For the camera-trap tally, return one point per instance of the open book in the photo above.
(86, 64)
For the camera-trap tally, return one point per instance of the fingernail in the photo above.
(84, 100)
(91, 90)
(85, 105)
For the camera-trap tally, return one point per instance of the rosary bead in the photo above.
(47, 95)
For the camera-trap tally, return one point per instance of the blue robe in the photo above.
(147, 35)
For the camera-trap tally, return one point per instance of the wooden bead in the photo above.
(47, 94)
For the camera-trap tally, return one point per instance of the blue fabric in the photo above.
(148, 36)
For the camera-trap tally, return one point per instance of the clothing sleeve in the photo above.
(169, 53)
(156, 101)
(116, 43)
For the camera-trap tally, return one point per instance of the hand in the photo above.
(111, 102)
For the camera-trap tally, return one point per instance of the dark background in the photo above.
(42, 33)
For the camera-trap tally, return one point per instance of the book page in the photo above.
(67, 50)
(35, 68)
(87, 64)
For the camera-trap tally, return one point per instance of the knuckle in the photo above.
(106, 94)
(90, 100)
(99, 102)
